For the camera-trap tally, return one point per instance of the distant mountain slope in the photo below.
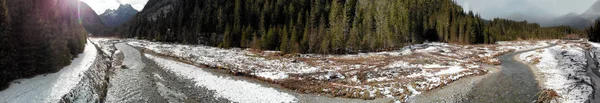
(572, 20)
(114, 18)
(581, 21)
(542, 20)
(530, 13)
(92, 22)
(593, 12)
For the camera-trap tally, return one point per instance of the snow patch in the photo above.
(563, 69)
(50, 87)
(451, 70)
(234, 90)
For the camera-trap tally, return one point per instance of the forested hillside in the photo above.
(92, 22)
(324, 26)
(38, 36)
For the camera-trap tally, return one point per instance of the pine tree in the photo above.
(336, 27)
(594, 32)
(284, 46)
(7, 47)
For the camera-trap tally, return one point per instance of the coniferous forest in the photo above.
(325, 26)
(594, 32)
(38, 36)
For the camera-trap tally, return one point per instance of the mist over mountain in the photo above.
(532, 13)
(542, 20)
(574, 20)
(593, 13)
(547, 13)
(580, 21)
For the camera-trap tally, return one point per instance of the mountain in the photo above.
(540, 19)
(593, 12)
(530, 13)
(572, 20)
(92, 22)
(114, 18)
(581, 21)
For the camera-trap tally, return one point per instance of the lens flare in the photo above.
(79, 12)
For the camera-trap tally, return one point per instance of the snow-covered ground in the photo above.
(53, 86)
(401, 73)
(562, 68)
(234, 90)
(107, 45)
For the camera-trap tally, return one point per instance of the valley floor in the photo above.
(130, 70)
(400, 74)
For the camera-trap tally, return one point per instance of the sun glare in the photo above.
(79, 12)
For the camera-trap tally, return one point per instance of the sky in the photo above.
(101, 5)
(490, 9)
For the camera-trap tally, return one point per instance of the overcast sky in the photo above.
(501, 8)
(101, 5)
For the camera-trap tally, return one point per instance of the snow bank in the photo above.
(563, 69)
(92, 86)
(50, 87)
(235, 59)
(525, 45)
(234, 90)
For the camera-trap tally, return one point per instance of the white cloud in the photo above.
(101, 5)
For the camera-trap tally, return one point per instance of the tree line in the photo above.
(324, 26)
(594, 31)
(37, 36)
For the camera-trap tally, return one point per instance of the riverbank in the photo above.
(457, 91)
(563, 71)
(497, 85)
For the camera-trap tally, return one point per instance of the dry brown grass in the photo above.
(492, 61)
(536, 60)
(303, 86)
(547, 96)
